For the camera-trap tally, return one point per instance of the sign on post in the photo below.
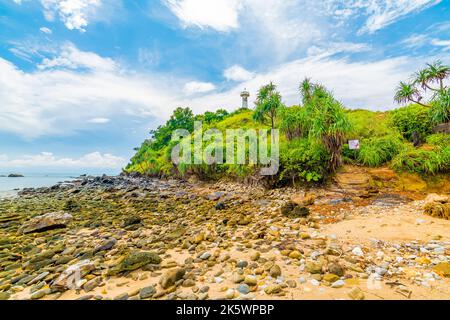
(353, 144)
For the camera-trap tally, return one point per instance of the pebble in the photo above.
(338, 284)
(205, 256)
(357, 251)
(243, 288)
(356, 294)
(147, 292)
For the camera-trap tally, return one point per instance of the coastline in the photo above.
(146, 238)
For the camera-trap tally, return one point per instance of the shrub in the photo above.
(423, 161)
(304, 160)
(412, 118)
(440, 107)
(441, 140)
(293, 122)
(379, 150)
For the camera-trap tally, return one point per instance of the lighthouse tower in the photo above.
(244, 95)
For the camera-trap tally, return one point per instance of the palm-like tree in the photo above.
(437, 72)
(407, 92)
(268, 102)
(306, 89)
(327, 120)
(423, 78)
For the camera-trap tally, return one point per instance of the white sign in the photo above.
(353, 144)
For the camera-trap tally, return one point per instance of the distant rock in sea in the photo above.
(15, 175)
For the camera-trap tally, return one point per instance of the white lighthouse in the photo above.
(244, 95)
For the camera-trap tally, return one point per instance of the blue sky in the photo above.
(83, 81)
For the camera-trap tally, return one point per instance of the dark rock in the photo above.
(107, 245)
(293, 210)
(135, 260)
(147, 292)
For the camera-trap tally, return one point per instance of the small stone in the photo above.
(250, 280)
(92, 284)
(329, 277)
(205, 256)
(295, 254)
(291, 283)
(357, 251)
(147, 292)
(188, 283)
(204, 289)
(275, 271)
(304, 235)
(255, 256)
(229, 294)
(443, 269)
(313, 267)
(314, 282)
(241, 264)
(237, 278)
(336, 269)
(4, 295)
(40, 294)
(123, 296)
(338, 284)
(273, 289)
(356, 294)
(243, 288)
(170, 277)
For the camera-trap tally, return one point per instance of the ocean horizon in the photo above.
(10, 186)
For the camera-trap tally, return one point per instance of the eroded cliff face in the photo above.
(363, 179)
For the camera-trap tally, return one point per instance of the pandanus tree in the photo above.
(268, 103)
(327, 120)
(426, 79)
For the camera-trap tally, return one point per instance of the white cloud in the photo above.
(45, 30)
(72, 58)
(47, 159)
(198, 87)
(383, 12)
(364, 84)
(60, 101)
(440, 43)
(221, 15)
(416, 40)
(337, 47)
(75, 14)
(237, 73)
(99, 120)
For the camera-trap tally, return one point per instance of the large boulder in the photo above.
(48, 221)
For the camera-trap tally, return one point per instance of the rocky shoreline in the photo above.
(130, 237)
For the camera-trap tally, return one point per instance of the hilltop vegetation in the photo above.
(314, 135)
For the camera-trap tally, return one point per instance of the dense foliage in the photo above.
(412, 118)
(314, 134)
(303, 159)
